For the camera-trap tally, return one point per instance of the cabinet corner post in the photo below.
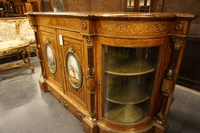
(169, 81)
(90, 77)
(42, 79)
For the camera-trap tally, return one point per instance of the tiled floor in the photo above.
(25, 109)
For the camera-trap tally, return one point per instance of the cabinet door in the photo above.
(74, 66)
(128, 81)
(129, 77)
(51, 57)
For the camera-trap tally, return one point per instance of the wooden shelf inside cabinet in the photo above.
(127, 94)
(125, 114)
(130, 67)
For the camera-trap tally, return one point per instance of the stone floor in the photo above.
(26, 109)
(184, 115)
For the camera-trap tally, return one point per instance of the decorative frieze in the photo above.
(135, 28)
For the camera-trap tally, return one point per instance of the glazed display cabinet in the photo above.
(128, 81)
(114, 72)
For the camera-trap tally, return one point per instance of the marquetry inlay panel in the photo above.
(135, 28)
(69, 23)
(132, 29)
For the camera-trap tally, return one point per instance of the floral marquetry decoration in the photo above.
(136, 28)
(50, 58)
(74, 71)
(115, 72)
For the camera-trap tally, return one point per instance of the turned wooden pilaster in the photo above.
(169, 80)
(90, 76)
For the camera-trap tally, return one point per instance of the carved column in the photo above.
(89, 123)
(90, 75)
(169, 80)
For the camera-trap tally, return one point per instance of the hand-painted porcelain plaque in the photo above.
(51, 58)
(73, 70)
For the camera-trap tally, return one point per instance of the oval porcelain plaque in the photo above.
(73, 70)
(50, 58)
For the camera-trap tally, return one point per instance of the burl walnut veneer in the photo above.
(115, 72)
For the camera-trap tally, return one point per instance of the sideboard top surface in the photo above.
(124, 15)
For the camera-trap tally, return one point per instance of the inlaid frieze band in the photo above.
(64, 22)
(136, 28)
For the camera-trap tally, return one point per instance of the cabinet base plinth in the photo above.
(161, 128)
(42, 84)
(104, 129)
(89, 126)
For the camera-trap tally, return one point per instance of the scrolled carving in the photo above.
(71, 49)
(89, 40)
(47, 41)
(62, 101)
(178, 42)
(170, 73)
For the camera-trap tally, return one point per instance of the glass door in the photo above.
(128, 81)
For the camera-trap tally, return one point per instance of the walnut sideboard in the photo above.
(116, 72)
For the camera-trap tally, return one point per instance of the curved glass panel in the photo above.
(128, 81)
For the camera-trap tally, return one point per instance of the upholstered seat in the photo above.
(20, 48)
(16, 38)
